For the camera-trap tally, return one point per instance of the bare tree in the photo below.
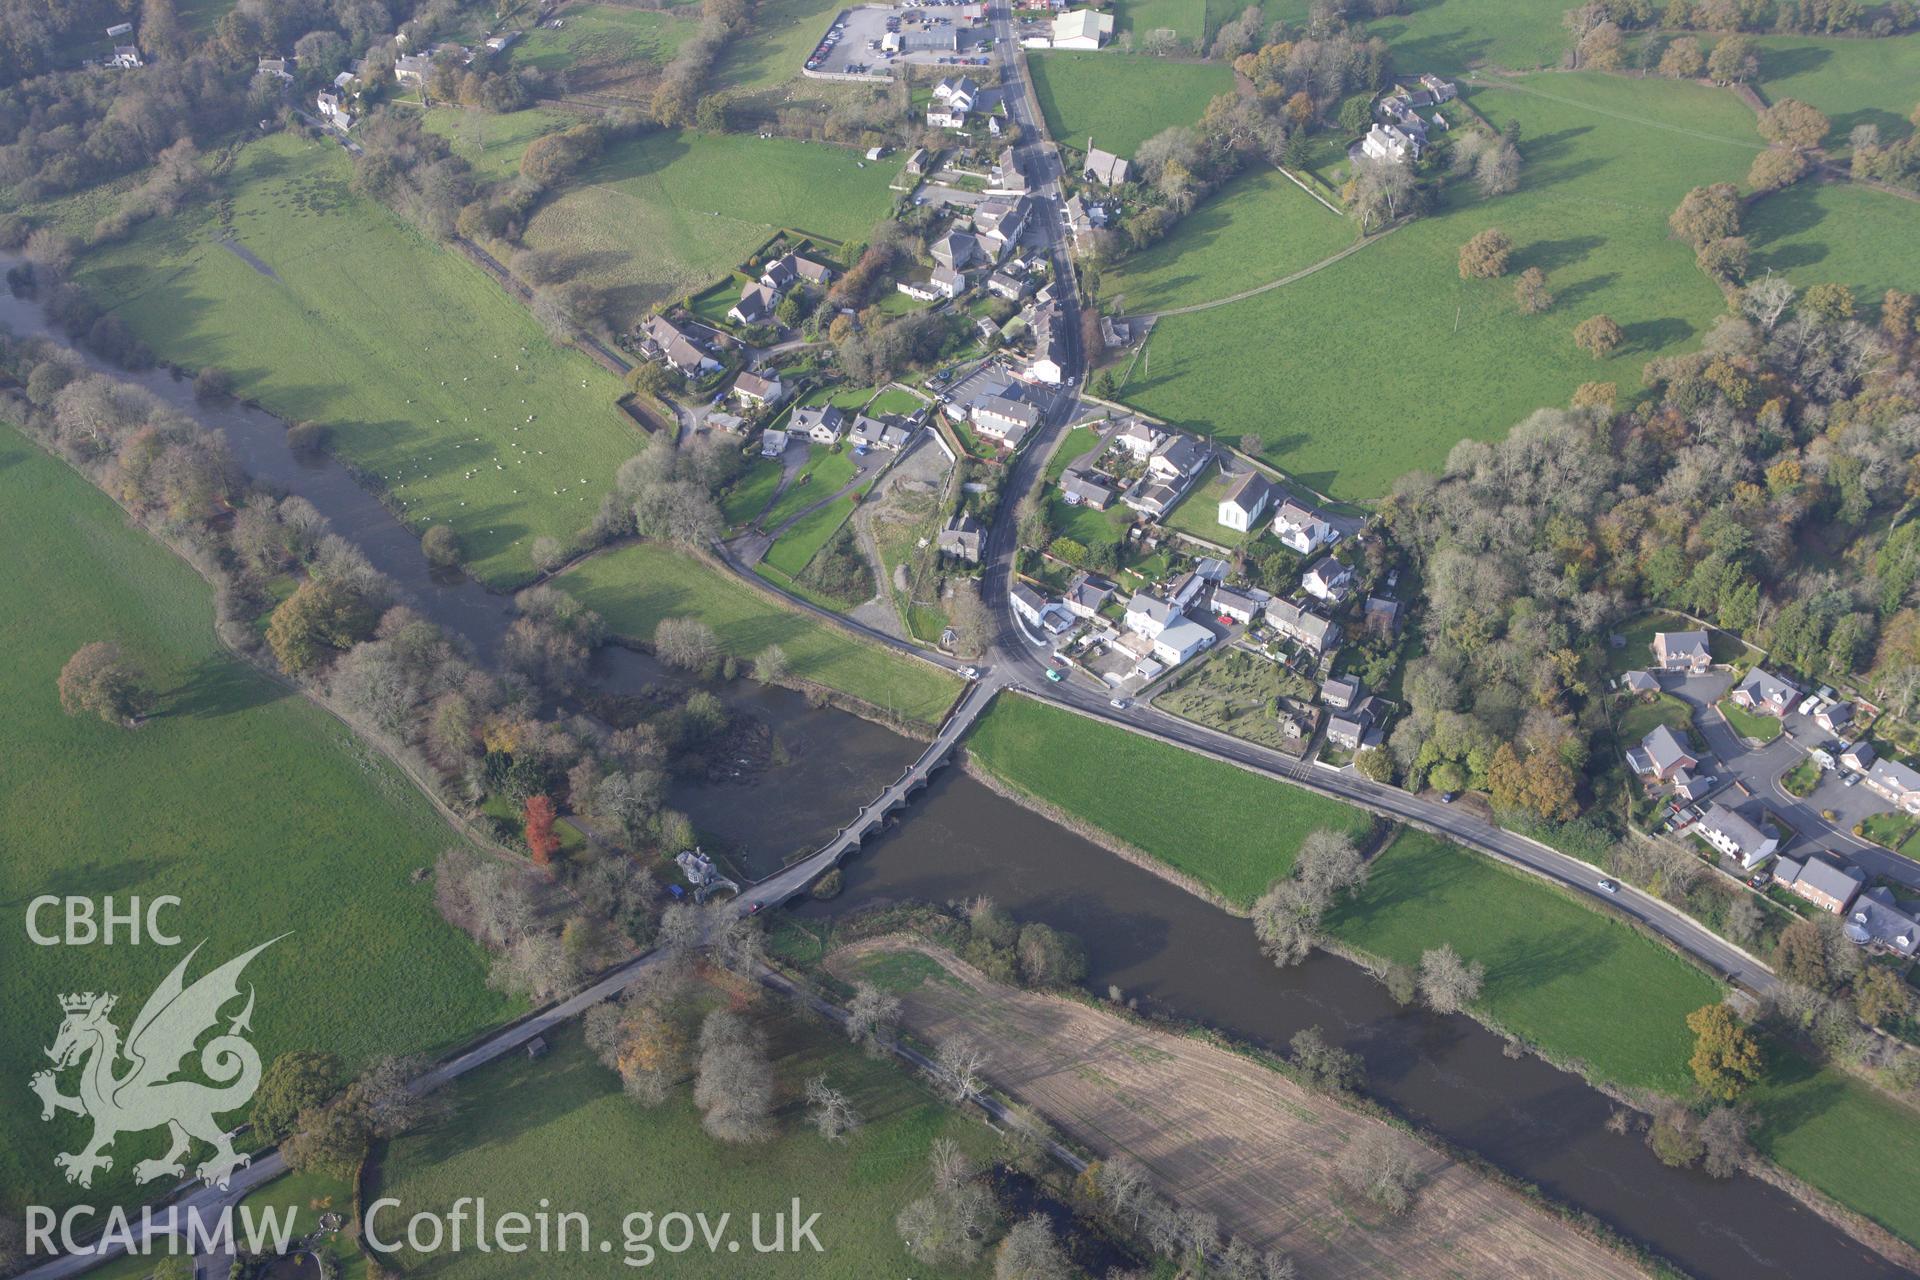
(1723, 1134)
(771, 666)
(735, 1082)
(1766, 300)
(1030, 1252)
(1449, 983)
(873, 1018)
(1380, 1167)
(1286, 920)
(832, 1113)
(949, 1225)
(687, 643)
(957, 1065)
(1328, 863)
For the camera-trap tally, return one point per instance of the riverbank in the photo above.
(1586, 992)
(1224, 1134)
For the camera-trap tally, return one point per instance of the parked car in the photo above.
(1610, 886)
(1760, 880)
(970, 673)
(1448, 797)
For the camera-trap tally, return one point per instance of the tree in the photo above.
(328, 1140)
(1329, 863)
(1485, 256)
(1447, 982)
(1723, 1141)
(1882, 997)
(1792, 123)
(1541, 783)
(1325, 1067)
(1286, 920)
(322, 615)
(1744, 919)
(771, 666)
(873, 1018)
(1030, 1252)
(538, 817)
(686, 643)
(1733, 61)
(1683, 60)
(1829, 302)
(1725, 259)
(1777, 167)
(1530, 292)
(297, 1080)
(1048, 957)
(1497, 168)
(1380, 1167)
(1706, 214)
(1598, 336)
(1800, 957)
(1595, 395)
(1766, 300)
(1675, 1137)
(1403, 983)
(832, 1113)
(441, 545)
(1374, 764)
(734, 1084)
(957, 1065)
(98, 680)
(948, 1226)
(1726, 1058)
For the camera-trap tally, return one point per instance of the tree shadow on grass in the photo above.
(1655, 335)
(1568, 295)
(91, 879)
(217, 687)
(1554, 255)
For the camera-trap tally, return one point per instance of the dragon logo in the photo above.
(143, 1094)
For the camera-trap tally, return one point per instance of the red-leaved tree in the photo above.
(540, 838)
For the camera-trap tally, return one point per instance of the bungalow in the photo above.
(1341, 692)
(1877, 920)
(1682, 651)
(1765, 693)
(1241, 606)
(1087, 595)
(1660, 755)
(1245, 500)
(1835, 717)
(1639, 682)
(279, 68)
(1180, 640)
(773, 442)
(753, 389)
(1149, 615)
(1736, 836)
(1103, 167)
(126, 57)
(1086, 489)
(822, 424)
(1896, 784)
(1301, 528)
(755, 306)
(1692, 787)
(1048, 615)
(880, 433)
(919, 163)
(1829, 885)
(1115, 332)
(1301, 624)
(1082, 29)
(730, 423)
(1328, 579)
(1857, 756)
(961, 537)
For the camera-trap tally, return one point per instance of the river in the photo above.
(1175, 953)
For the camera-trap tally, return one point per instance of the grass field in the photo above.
(1185, 18)
(1448, 36)
(559, 1130)
(827, 469)
(667, 214)
(490, 142)
(1815, 1122)
(259, 811)
(1606, 161)
(1234, 831)
(596, 35)
(424, 368)
(1854, 82)
(636, 586)
(1121, 99)
(798, 545)
(1838, 233)
(1578, 983)
(751, 493)
(774, 51)
(1259, 227)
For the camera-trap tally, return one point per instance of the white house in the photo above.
(773, 442)
(1736, 836)
(1246, 498)
(1082, 29)
(755, 306)
(1390, 142)
(1328, 580)
(1049, 346)
(333, 110)
(1301, 528)
(947, 282)
(821, 424)
(126, 57)
(1048, 615)
(753, 389)
(1149, 615)
(1180, 640)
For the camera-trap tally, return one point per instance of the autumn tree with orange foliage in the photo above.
(541, 841)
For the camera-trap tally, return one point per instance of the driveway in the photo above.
(1758, 769)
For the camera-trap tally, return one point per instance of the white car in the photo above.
(970, 673)
(1610, 886)
(1121, 704)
